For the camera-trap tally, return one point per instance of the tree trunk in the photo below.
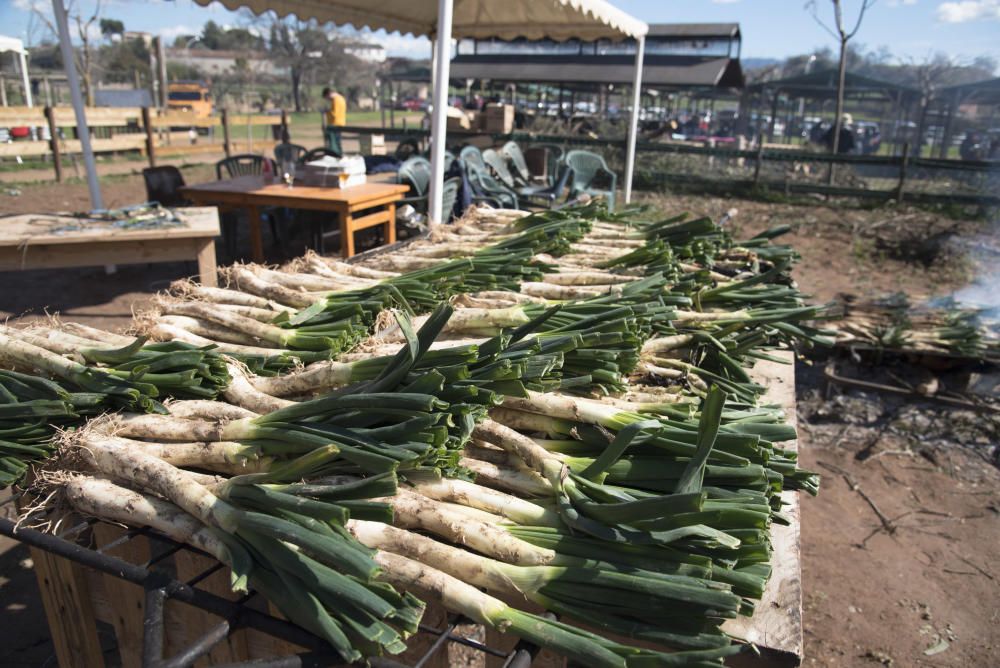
(296, 86)
(838, 115)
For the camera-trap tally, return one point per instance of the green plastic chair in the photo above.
(488, 189)
(416, 173)
(513, 153)
(498, 165)
(289, 153)
(449, 195)
(471, 155)
(590, 175)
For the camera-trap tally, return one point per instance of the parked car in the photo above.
(868, 137)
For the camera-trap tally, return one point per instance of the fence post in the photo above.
(147, 122)
(758, 161)
(50, 116)
(285, 137)
(903, 164)
(225, 133)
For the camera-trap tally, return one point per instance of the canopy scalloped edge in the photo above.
(595, 19)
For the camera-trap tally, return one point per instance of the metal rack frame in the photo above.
(159, 586)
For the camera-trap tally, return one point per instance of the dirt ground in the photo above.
(917, 588)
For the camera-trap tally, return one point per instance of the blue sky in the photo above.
(911, 29)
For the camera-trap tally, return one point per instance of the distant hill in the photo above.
(756, 63)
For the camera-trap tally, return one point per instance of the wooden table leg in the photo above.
(390, 227)
(256, 241)
(346, 233)
(206, 264)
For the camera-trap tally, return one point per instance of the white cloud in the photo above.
(406, 46)
(173, 32)
(964, 11)
(901, 3)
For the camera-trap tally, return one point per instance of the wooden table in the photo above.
(357, 208)
(47, 241)
(776, 626)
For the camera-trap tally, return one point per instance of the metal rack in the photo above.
(159, 586)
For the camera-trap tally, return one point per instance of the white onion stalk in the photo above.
(457, 596)
(483, 498)
(243, 392)
(662, 344)
(582, 278)
(694, 317)
(344, 269)
(258, 314)
(246, 280)
(111, 456)
(551, 291)
(208, 330)
(101, 498)
(166, 331)
(205, 409)
(119, 340)
(522, 481)
(415, 511)
(225, 296)
(310, 282)
(209, 455)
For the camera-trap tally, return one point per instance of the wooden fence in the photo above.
(114, 129)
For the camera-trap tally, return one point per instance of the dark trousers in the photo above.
(332, 134)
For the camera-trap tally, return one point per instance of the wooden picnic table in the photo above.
(55, 240)
(357, 208)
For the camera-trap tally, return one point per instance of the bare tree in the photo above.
(302, 48)
(840, 33)
(84, 56)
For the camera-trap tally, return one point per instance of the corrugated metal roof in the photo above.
(664, 72)
(693, 30)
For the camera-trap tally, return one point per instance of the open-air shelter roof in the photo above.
(823, 85)
(978, 92)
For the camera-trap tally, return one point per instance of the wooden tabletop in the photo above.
(62, 228)
(253, 188)
(776, 626)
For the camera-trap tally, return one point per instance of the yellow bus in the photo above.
(189, 96)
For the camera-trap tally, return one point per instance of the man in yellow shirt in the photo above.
(334, 119)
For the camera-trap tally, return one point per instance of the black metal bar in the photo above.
(199, 648)
(159, 587)
(436, 647)
(152, 626)
(153, 579)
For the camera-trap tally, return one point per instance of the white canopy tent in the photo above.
(442, 20)
(12, 44)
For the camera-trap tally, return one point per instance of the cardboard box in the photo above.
(372, 144)
(498, 118)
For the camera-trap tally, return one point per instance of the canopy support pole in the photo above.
(24, 78)
(82, 131)
(633, 128)
(439, 113)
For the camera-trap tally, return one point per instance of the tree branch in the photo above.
(865, 6)
(814, 11)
